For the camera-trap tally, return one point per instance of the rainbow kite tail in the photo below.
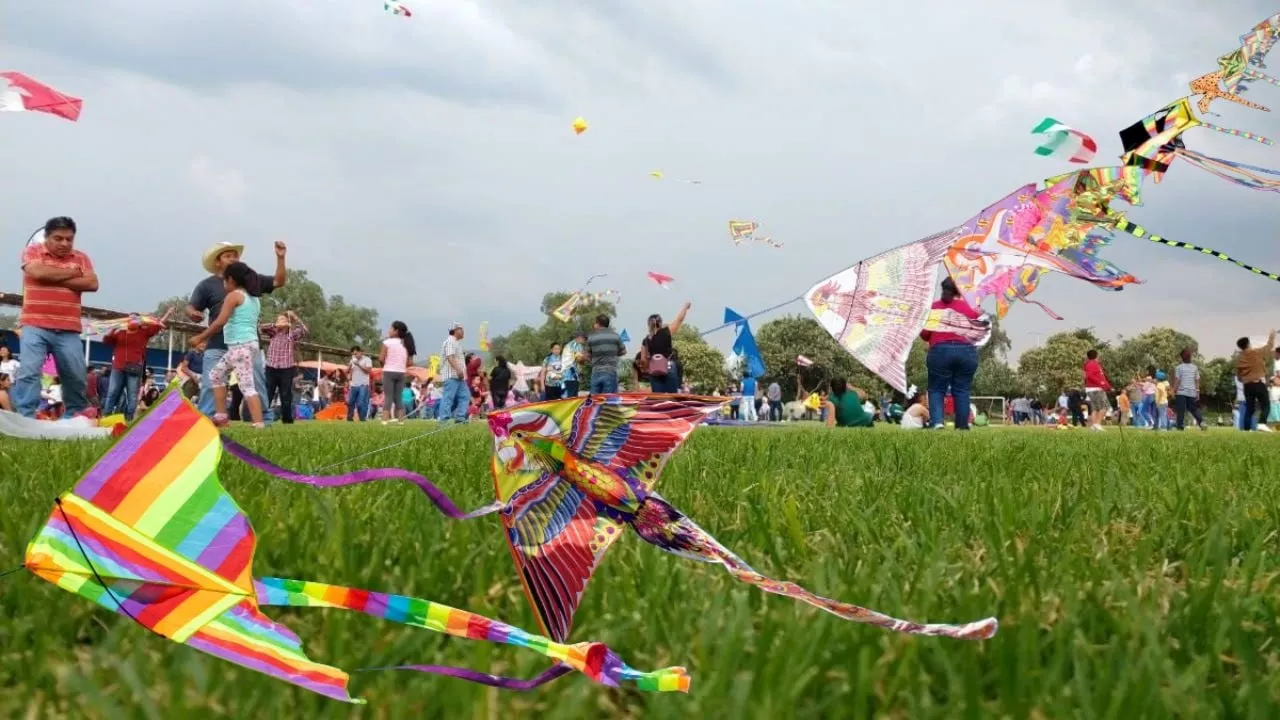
(595, 660)
(1239, 133)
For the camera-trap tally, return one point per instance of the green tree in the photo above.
(1218, 382)
(781, 340)
(701, 365)
(1044, 371)
(8, 321)
(1158, 347)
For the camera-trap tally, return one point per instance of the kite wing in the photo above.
(483, 340)
(151, 534)
(876, 308)
(1064, 141)
(20, 93)
(558, 535)
(745, 343)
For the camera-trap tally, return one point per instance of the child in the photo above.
(239, 324)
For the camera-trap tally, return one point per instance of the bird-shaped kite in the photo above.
(579, 125)
(574, 474)
(662, 280)
(150, 533)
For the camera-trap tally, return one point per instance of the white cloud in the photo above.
(226, 187)
(426, 166)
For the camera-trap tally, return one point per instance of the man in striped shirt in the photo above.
(54, 275)
(453, 375)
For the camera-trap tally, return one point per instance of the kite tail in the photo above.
(662, 525)
(595, 660)
(1249, 176)
(1255, 75)
(1138, 231)
(437, 496)
(1239, 133)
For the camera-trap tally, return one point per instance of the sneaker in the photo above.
(1096, 428)
(221, 420)
(1263, 428)
(1204, 428)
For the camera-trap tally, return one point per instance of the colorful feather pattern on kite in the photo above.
(150, 533)
(575, 472)
(1064, 141)
(876, 308)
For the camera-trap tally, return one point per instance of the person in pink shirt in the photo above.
(397, 354)
(1096, 388)
(952, 360)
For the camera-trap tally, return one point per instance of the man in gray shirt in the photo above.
(208, 296)
(774, 393)
(604, 349)
(1186, 378)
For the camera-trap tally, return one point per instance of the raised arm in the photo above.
(678, 323)
(280, 276)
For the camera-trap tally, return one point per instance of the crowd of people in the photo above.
(230, 377)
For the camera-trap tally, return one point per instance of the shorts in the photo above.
(1098, 401)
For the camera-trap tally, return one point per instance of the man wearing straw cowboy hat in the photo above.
(208, 297)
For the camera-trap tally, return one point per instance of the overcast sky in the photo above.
(426, 166)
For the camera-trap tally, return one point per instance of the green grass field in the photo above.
(1134, 575)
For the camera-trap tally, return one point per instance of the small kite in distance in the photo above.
(745, 230)
(803, 361)
(659, 175)
(662, 280)
(579, 125)
(396, 8)
(20, 93)
(1063, 141)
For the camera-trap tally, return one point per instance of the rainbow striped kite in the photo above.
(150, 533)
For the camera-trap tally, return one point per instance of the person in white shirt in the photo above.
(916, 416)
(358, 368)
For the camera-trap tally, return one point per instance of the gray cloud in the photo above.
(425, 166)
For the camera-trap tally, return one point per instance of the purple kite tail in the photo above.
(556, 671)
(442, 501)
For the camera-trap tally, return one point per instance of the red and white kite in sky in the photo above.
(663, 280)
(20, 93)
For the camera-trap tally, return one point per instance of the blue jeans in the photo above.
(951, 370)
(670, 383)
(68, 355)
(122, 383)
(603, 384)
(211, 358)
(357, 402)
(456, 400)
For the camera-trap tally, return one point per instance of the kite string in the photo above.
(779, 306)
(386, 447)
(7, 573)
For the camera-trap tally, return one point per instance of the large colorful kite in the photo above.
(150, 533)
(574, 474)
(1064, 141)
(876, 308)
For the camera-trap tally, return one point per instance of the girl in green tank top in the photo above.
(239, 324)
